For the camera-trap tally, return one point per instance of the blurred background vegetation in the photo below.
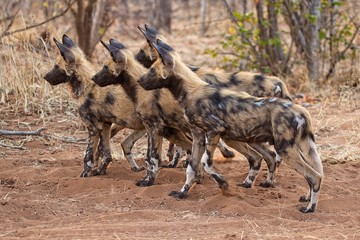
(312, 44)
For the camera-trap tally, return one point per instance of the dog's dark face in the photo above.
(146, 56)
(57, 75)
(155, 78)
(112, 72)
(63, 67)
(106, 77)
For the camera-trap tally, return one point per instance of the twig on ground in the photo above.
(23, 133)
(38, 132)
(66, 139)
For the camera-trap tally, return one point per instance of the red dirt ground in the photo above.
(43, 197)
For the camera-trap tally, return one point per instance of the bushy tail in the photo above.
(306, 142)
(310, 154)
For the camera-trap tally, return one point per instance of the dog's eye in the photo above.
(56, 66)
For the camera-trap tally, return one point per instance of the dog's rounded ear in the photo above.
(165, 56)
(65, 52)
(150, 37)
(67, 41)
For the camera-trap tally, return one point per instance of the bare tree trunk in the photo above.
(244, 6)
(263, 48)
(203, 17)
(91, 23)
(304, 22)
(160, 15)
(243, 62)
(124, 14)
(313, 42)
(293, 19)
(333, 13)
(276, 51)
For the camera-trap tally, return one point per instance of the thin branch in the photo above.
(6, 18)
(229, 11)
(6, 33)
(228, 53)
(106, 28)
(23, 133)
(341, 54)
(234, 20)
(10, 24)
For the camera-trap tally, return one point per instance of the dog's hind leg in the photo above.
(127, 146)
(253, 157)
(226, 152)
(293, 157)
(198, 146)
(270, 159)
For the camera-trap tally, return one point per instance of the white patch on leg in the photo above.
(207, 168)
(270, 176)
(190, 176)
(313, 198)
(90, 164)
(252, 173)
(277, 158)
(155, 166)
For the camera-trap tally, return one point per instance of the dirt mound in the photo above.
(42, 195)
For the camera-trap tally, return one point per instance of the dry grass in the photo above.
(25, 59)
(23, 84)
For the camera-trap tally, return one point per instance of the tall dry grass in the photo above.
(25, 58)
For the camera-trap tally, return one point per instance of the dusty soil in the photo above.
(43, 197)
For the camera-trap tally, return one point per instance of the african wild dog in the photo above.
(255, 84)
(98, 107)
(157, 109)
(146, 56)
(125, 70)
(237, 116)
